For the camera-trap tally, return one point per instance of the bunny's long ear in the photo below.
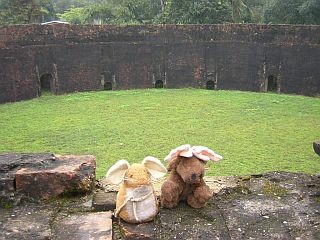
(183, 151)
(206, 154)
(154, 167)
(116, 173)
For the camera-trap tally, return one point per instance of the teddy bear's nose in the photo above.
(194, 176)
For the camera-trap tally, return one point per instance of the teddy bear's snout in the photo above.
(194, 176)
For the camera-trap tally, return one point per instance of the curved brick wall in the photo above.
(91, 57)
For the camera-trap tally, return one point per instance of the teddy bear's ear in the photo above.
(116, 173)
(183, 151)
(154, 167)
(206, 154)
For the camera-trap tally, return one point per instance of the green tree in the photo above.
(75, 15)
(61, 6)
(196, 12)
(24, 11)
(93, 13)
(292, 12)
(101, 13)
(240, 11)
(122, 11)
(137, 12)
(310, 10)
(283, 11)
(256, 10)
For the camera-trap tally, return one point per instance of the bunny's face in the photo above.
(137, 175)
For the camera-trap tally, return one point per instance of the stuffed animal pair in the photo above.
(136, 199)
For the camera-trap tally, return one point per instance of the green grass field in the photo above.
(254, 132)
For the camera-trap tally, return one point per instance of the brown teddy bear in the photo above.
(136, 200)
(185, 182)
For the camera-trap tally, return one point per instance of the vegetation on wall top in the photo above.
(160, 11)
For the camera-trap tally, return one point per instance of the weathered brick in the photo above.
(89, 58)
(9, 164)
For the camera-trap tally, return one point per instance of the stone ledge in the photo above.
(44, 176)
(67, 218)
(267, 206)
(96, 226)
(276, 205)
(65, 174)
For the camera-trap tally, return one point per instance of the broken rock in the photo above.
(60, 175)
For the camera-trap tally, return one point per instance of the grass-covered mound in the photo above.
(254, 132)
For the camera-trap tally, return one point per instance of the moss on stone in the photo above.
(6, 205)
(273, 190)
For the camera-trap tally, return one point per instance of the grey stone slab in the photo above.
(104, 201)
(83, 226)
(184, 222)
(26, 222)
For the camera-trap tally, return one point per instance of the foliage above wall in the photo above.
(160, 11)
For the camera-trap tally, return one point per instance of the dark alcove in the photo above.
(46, 82)
(210, 85)
(107, 86)
(272, 84)
(158, 84)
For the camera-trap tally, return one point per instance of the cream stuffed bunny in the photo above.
(136, 199)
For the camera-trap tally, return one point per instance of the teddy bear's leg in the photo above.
(169, 194)
(199, 197)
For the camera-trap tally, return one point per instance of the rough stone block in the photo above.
(7, 182)
(96, 226)
(63, 174)
(147, 230)
(104, 201)
(10, 163)
(7, 194)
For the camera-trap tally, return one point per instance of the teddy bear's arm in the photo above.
(200, 196)
(170, 195)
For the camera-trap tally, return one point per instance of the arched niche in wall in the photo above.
(46, 82)
(210, 85)
(158, 84)
(107, 86)
(272, 84)
(107, 80)
(211, 80)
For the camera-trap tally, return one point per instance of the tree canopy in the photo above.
(160, 11)
(292, 12)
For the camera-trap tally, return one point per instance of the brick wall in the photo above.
(86, 58)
